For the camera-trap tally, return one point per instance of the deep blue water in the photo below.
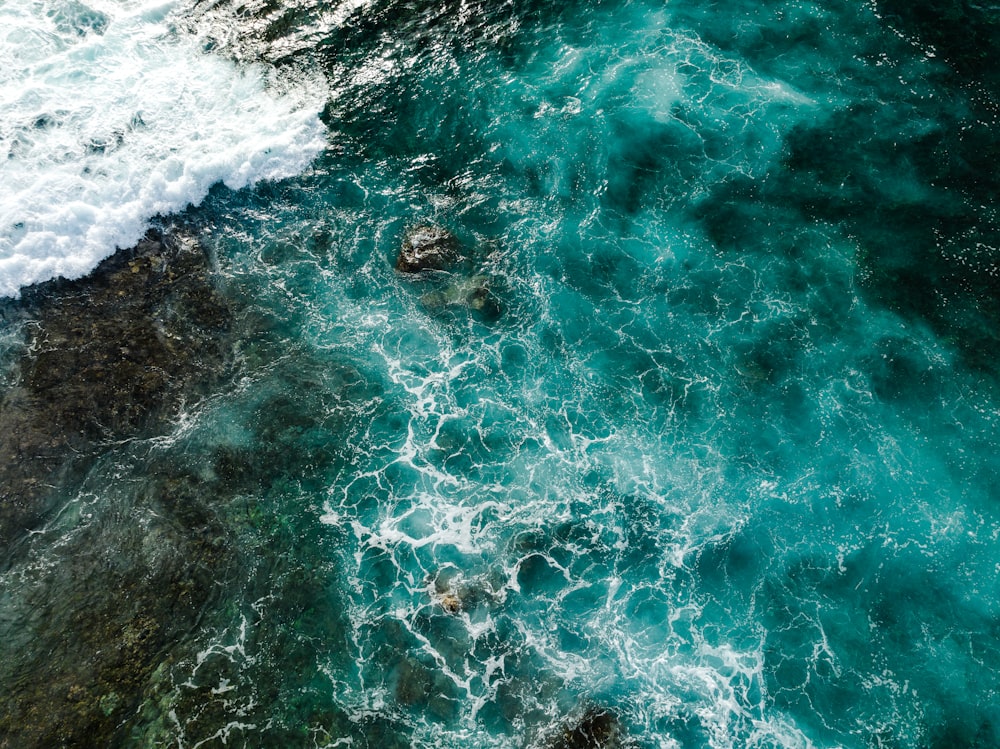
(720, 458)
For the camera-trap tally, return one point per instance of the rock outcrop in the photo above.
(427, 247)
(435, 254)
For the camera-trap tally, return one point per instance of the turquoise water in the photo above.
(723, 458)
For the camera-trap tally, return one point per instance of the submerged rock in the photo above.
(110, 356)
(121, 594)
(596, 728)
(473, 292)
(107, 358)
(427, 247)
(425, 688)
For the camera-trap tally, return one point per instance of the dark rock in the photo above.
(425, 689)
(965, 34)
(428, 247)
(99, 622)
(108, 357)
(596, 728)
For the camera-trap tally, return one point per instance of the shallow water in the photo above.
(719, 457)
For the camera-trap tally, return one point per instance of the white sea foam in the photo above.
(108, 117)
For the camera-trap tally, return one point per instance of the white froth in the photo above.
(109, 118)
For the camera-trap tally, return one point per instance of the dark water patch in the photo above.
(926, 242)
(110, 357)
(650, 163)
(900, 369)
(966, 34)
(922, 639)
(904, 170)
(730, 567)
(286, 34)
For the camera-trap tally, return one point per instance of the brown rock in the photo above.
(428, 247)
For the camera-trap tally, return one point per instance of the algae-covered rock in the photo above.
(106, 359)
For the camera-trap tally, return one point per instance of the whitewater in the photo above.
(111, 117)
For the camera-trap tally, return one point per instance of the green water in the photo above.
(723, 461)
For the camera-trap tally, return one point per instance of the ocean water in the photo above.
(716, 463)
